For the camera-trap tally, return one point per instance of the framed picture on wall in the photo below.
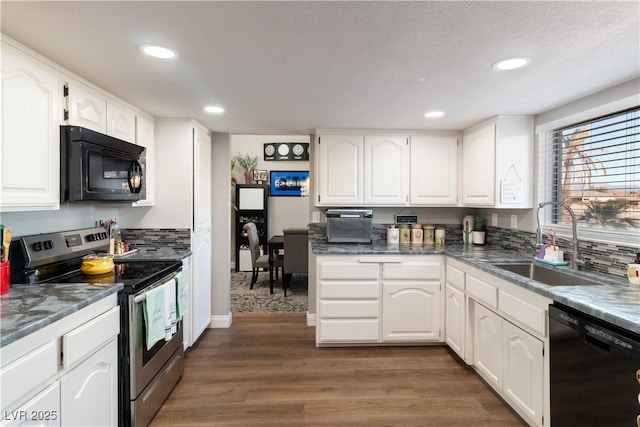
(289, 183)
(259, 176)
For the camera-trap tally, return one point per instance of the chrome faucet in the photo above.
(577, 261)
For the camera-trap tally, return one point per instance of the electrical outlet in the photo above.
(514, 221)
(315, 216)
(494, 220)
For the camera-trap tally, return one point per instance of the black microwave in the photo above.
(99, 168)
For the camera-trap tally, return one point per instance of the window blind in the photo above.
(594, 168)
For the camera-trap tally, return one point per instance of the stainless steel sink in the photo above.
(546, 275)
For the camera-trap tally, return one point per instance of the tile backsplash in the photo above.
(607, 258)
(175, 238)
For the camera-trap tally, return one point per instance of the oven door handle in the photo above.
(143, 295)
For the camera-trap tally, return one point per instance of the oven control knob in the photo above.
(89, 237)
(37, 246)
(48, 244)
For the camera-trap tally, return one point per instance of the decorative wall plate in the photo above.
(286, 151)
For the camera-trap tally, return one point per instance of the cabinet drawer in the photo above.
(349, 309)
(31, 370)
(349, 331)
(411, 271)
(525, 313)
(482, 291)
(82, 341)
(348, 271)
(455, 277)
(357, 290)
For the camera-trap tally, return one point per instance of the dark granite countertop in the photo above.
(28, 308)
(615, 300)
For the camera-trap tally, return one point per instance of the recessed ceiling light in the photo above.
(213, 109)
(433, 114)
(158, 52)
(511, 63)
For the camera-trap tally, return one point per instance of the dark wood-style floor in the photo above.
(266, 371)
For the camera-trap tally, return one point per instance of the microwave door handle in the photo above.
(135, 177)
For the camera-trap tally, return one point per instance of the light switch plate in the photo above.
(494, 220)
(315, 216)
(514, 221)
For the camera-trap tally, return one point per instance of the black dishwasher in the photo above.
(595, 371)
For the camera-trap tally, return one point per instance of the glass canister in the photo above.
(440, 235)
(405, 233)
(393, 235)
(428, 232)
(416, 234)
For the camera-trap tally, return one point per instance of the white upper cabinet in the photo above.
(93, 110)
(385, 164)
(202, 178)
(497, 163)
(478, 166)
(145, 138)
(339, 170)
(387, 170)
(31, 94)
(86, 107)
(121, 122)
(434, 170)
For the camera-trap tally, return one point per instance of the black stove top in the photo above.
(135, 276)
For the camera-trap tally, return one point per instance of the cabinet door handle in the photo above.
(379, 260)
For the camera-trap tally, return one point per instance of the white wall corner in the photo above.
(219, 322)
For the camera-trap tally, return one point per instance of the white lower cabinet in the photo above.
(42, 410)
(487, 348)
(500, 328)
(522, 371)
(201, 285)
(455, 323)
(72, 379)
(411, 312)
(348, 300)
(187, 323)
(89, 393)
(379, 299)
(511, 361)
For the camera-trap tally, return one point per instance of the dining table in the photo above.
(274, 245)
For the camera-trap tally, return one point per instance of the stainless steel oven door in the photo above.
(145, 364)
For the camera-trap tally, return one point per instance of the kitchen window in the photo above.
(594, 167)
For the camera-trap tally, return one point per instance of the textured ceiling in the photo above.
(280, 67)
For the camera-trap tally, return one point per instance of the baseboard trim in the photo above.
(221, 321)
(311, 319)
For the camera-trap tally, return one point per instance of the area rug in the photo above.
(259, 300)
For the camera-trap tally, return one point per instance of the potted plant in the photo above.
(246, 162)
(479, 230)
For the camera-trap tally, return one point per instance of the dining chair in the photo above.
(258, 261)
(296, 254)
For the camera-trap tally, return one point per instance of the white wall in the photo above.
(220, 224)
(69, 217)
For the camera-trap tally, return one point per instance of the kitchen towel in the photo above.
(171, 320)
(181, 290)
(154, 316)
